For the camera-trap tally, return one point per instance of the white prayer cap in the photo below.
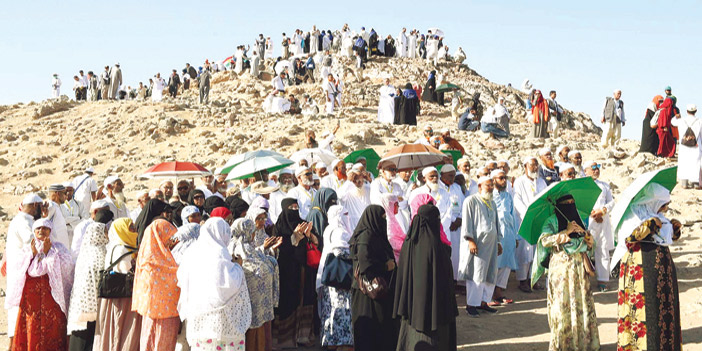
(445, 130)
(286, 171)
(142, 193)
(565, 166)
(527, 159)
(544, 151)
(349, 165)
(691, 108)
(31, 199)
(315, 177)
(503, 161)
(589, 163)
(110, 180)
(357, 167)
(573, 153)
(501, 98)
(320, 165)
(428, 127)
(428, 170)
(98, 204)
(483, 179)
(560, 148)
(447, 169)
(326, 133)
(152, 192)
(360, 158)
(89, 170)
(496, 173)
(42, 222)
(68, 184)
(463, 160)
(335, 163)
(487, 163)
(300, 171)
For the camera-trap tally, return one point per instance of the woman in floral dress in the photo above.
(563, 248)
(649, 305)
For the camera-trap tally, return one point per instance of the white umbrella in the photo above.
(313, 155)
(237, 159)
(249, 168)
(282, 65)
(437, 31)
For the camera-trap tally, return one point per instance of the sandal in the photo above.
(505, 300)
(494, 303)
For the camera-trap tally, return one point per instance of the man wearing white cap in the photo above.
(452, 221)
(428, 133)
(320, 169)
(600, 225)
(285, 184)
(85, 188)
(464, 168)
(480, 247)
(689, 148)
(562, 155)
(142, 198)
(112, 188)
(336, 177)
(81, 228)
(354, 195)
(576, 158)
(166, 187)
(303, 192)
(505, 167)
(72, 211)
(59, 232)
(526, 189)
(547, 169)
(567, 171)
(438, 192)
(509, 225)
(385, 185)
(20, 234)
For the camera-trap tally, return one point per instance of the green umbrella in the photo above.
(237, 159)
(584, 190)
(667, 177)
(371, 156)
(249, 168)
(447, 87)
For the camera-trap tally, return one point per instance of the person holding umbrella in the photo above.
(562, 249)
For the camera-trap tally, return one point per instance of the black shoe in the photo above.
(472, 312)
(487, 308)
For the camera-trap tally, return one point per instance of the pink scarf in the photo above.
(423, 199)
(396, 236)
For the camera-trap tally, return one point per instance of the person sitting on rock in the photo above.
(294, 105)
(469, 121)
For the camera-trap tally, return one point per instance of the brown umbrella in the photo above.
(412, 156)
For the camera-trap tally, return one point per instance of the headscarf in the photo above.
(177, 209)
(119, 234)
(213, 202)
(83, 306)
(261, 272)
(210, 281)
(288, 219)
(323, 199)
(336, 236)
(643, 207)
(655, 103)
(566, 213)
(262, 203)
(155, 293)
(396, 236)
(540, 105)
(151, 210)
(187, 212)
(237, 206)
(220, 212)
(104, 216)
(186, 236)
(424, 290)
(191, 199)
(419, 201)
(373, 222)
(261, 235)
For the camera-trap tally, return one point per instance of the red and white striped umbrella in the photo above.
(412, 156)
(176, 169)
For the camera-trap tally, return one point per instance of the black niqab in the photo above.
(237, 206)
(566, 213)
(104, 216)
(151, 210)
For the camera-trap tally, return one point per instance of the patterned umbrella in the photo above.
(175, 169)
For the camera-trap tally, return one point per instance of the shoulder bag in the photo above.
(376, 288)
(337, 272)
(116, 285)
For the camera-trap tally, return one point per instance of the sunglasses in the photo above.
(391, 169)
(308, 173)
(594, 167)
(182, 188)
(501, 177)
(198, 197)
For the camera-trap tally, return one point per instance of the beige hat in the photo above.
(261, 187)
(691, 108)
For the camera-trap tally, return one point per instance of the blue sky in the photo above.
(584, 50)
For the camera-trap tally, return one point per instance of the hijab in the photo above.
(261, 235)
(191, 198)
(540, 108)
(424, 289)
(419, 201)
(323, 200)
(213, 202)
(336, 236)
(209, 280)
(177, 208)
(643, 207)
(262, 203)
(120, 234)
(237, 206)
(186, 235)
(83, 306)
(396, 236)
(151, 210)
(288, 219)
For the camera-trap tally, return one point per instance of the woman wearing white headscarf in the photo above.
(261, 273)
(649, 306)
(253, 214)
(214, 299)
(186, 236)
(335, 304)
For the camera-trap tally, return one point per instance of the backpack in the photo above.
(689, 139)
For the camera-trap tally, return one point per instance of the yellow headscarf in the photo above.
(120, 232)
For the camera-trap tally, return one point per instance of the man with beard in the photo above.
(509, 225)
(320, 170)
(19, 235)
(57, 193)
(354, 195)
(438, 192)
(576, 158)
(285, 183)
(567, 171)
(72, 211)
(85, 188)
(142, 198)
(303, 192)
(166, 187)
(81, 228)
(504, 166)
(562, 155)
(221, 185)
(207, 186)
(385, 185)
(526, 189)
(336, 179)
(480, 247)
(114, 196)
(547, 169)
(454, 220)
(464, 168)
(427, 134)
(600, 226)
(183, 188)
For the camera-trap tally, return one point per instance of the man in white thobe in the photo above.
(330, 93)
(55, 90)
(459, 56)
(115, 81)
(285, 184)
(576, 158)
(600, 225)
(255, 65)
(19, 235)
(454, 221)
(112, 188)
(385, 185)
(303, 192)
(337, 177)
(59, 233)
(526, 189)
(157, 91)
(480, 247)
(438, 192)
(85, 188)
(689, 156)
(464, 168)
(71, 209)
(412, 44)
(354, 195)
(386, 103)
(402, 43)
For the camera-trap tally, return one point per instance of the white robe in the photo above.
(332, 182)
(255, 66)
(525, 192)
(443, 202)
(59, 232)
(402, 45)
(602, 232)
(304, 199)
(386, 104)
(84, 187)
(381, 186)
(354, 200)
(330, 90)
(239, 65)
(19, 234)
(456, 199)
(157, 91)
(119, 210)
(55, 89)
(689, 158)
(412, 46)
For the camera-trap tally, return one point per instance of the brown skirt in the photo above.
(118, 327)
(256, 339)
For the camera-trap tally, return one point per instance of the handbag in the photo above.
(376, 288)
(337, 272)
(313, 255)
(114, 285)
